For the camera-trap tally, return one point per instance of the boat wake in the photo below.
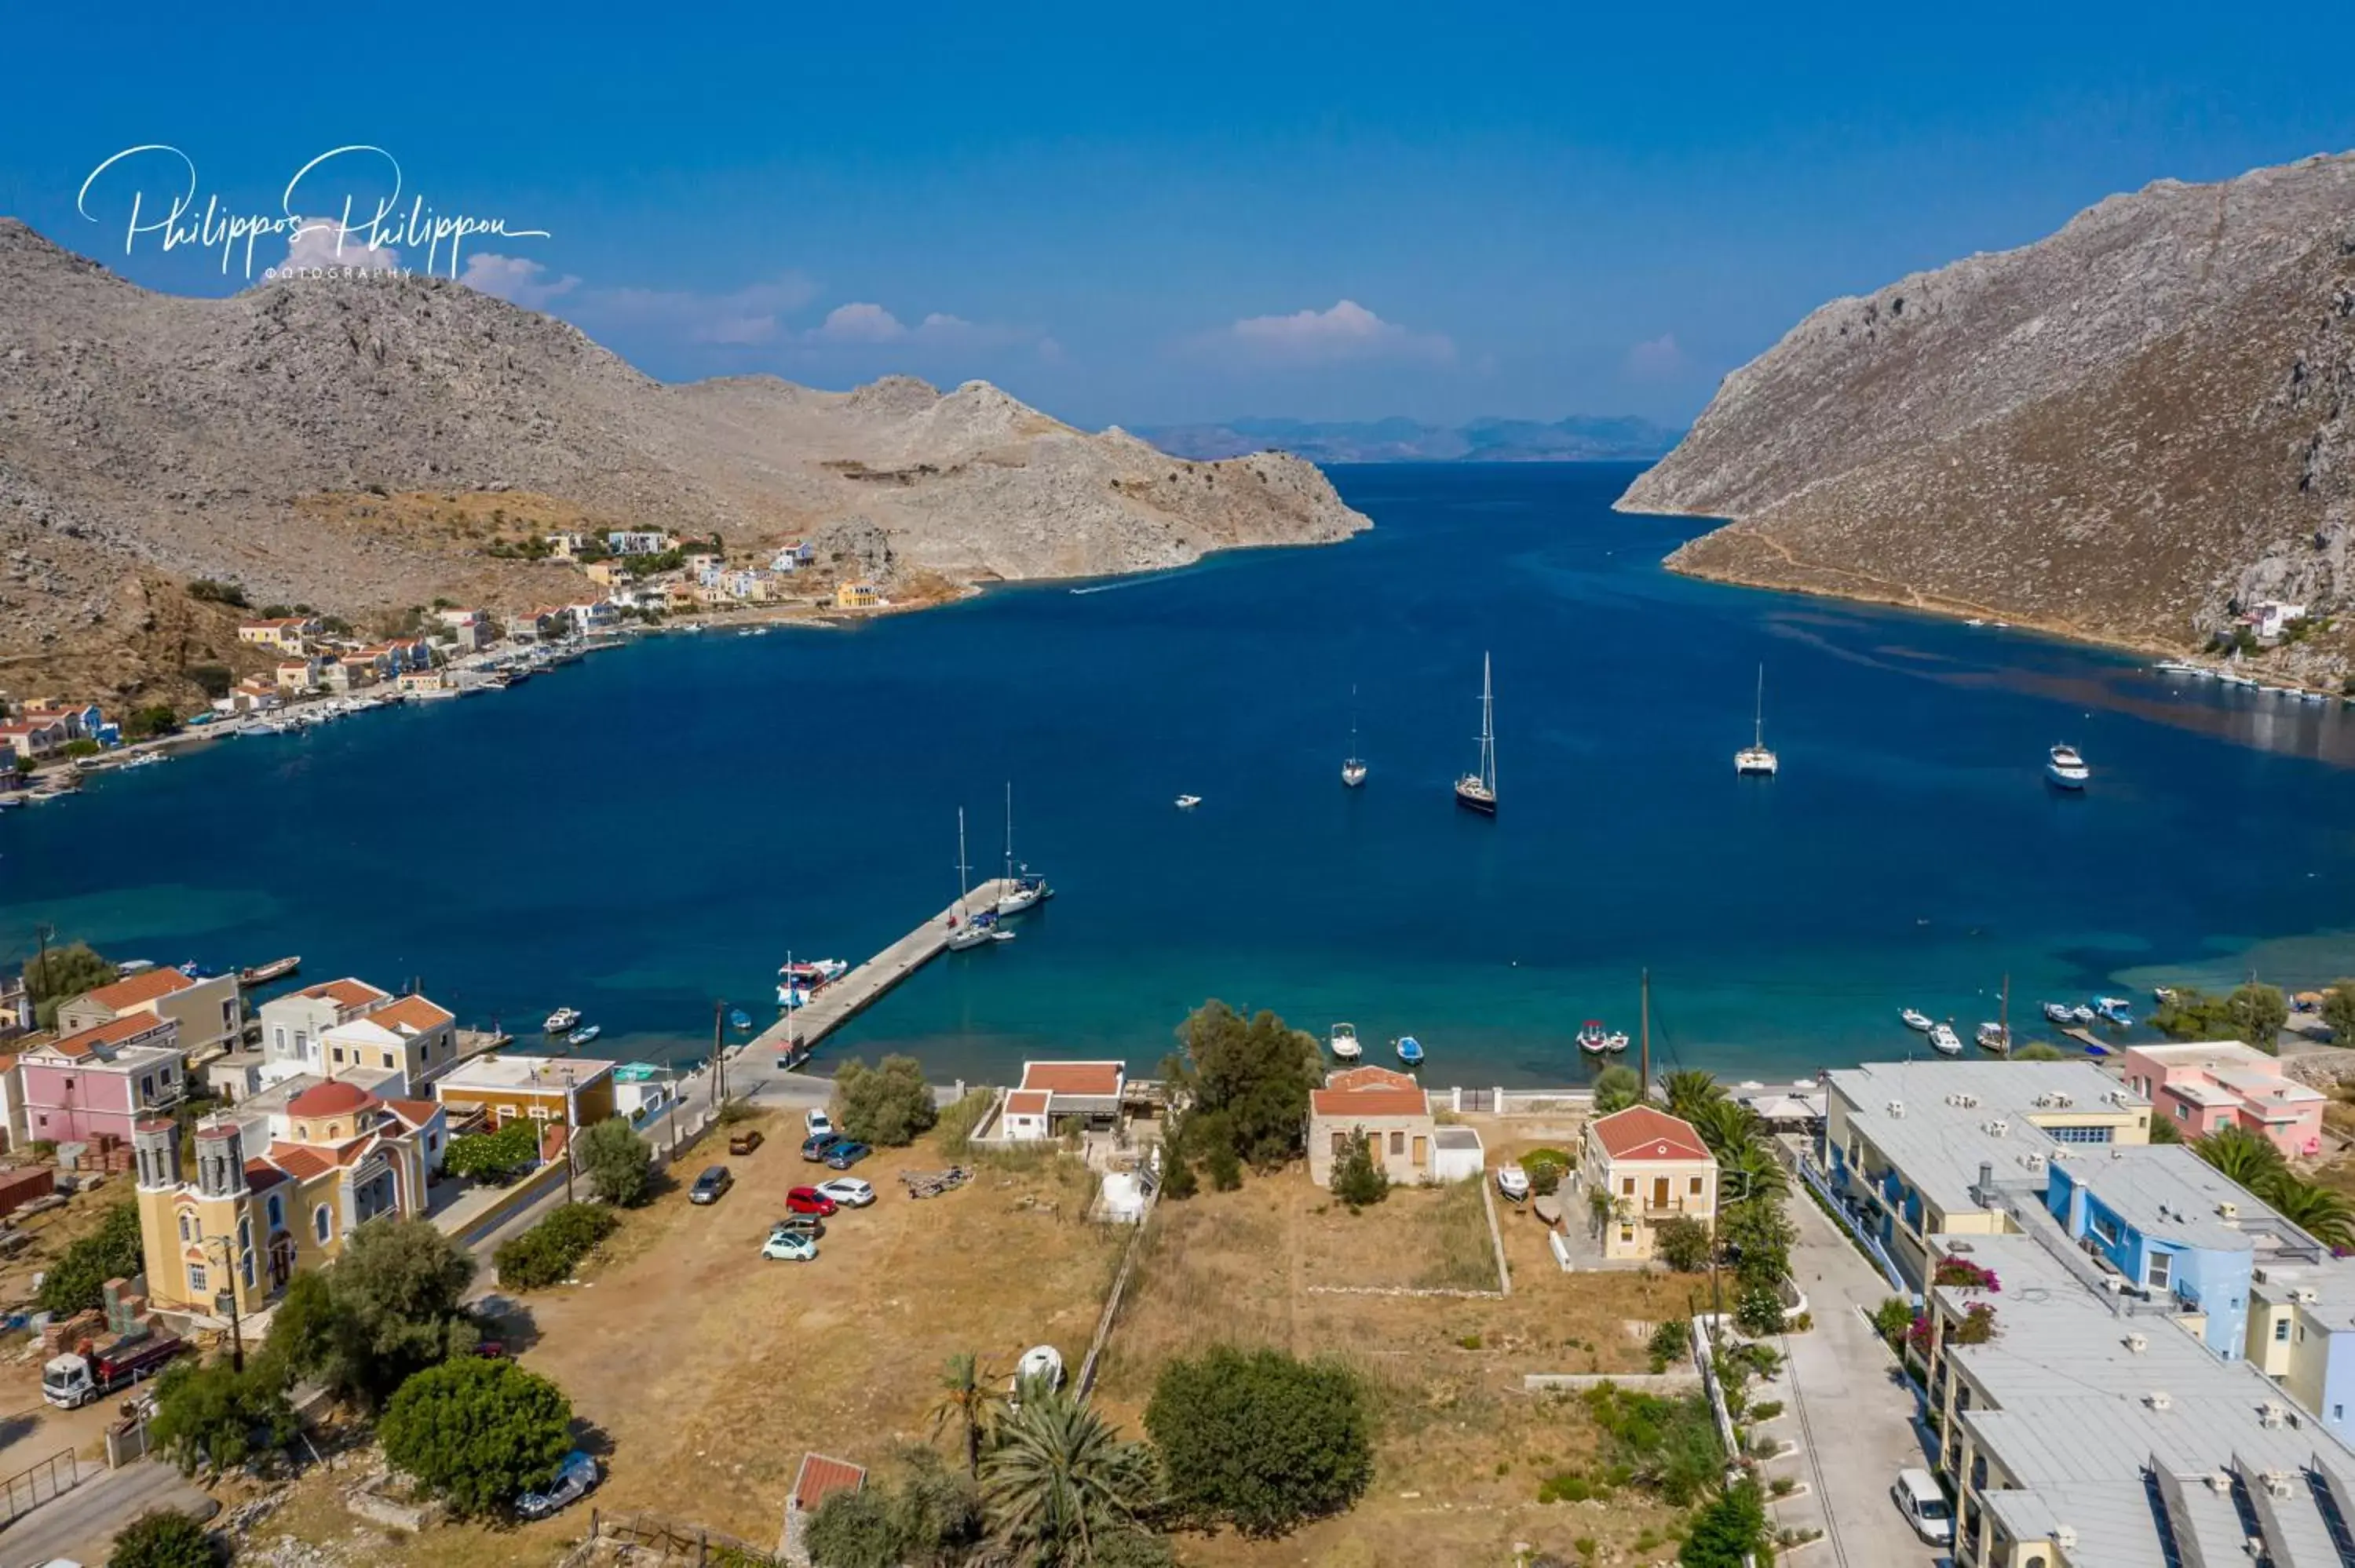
(1137, 582)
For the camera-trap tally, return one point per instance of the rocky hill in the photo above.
(364, 446)
(2122, 431)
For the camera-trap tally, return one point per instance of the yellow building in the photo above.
(856, 595)
(286, 634)
(572, 1090)
(337, 1157)
(1653, 1168)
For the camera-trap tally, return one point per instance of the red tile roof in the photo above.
(1026, 1102)
(114, 1033)
(1370, 1077)
(143, 987)
(1074, 1077)
(416, 1113)
(819, 1477)
(299, 1162)
(338, 1097)
(260, 1175)
(347, 992)
(1343, 1104)
(411, 1013)
(1641, 1132)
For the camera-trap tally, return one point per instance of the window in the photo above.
(1692, 1188)
(388, 1058)
(2337, 1413)
(2162, 1265)
(185, 1235)
(195, 1280)
(1627, 1187)
(2105, 1227)
(1398, 1142)
(2281, 1332)
(277, 1212)
(278, 1038)
(2080, 1134)
(2182, 1111)
(1626, 1232)
(148, 1086)
(339, 1055)
(1340, 1145)
(321, 1225)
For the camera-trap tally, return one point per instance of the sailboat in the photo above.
(1353, 769)
(967, 930)
(1755, 758)
(1024, 887)
(1478, 792)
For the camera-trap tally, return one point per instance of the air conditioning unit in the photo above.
(2271, 1414)
(2256, 1276)
(2137, 1343)
(2228, 1210)
(2159, 1399)
(2220, 1482)
(1968, 1102)
(2065, 1101)
(2305, 1296)
(2065, 1536)
(1999, 1127)
(2042, 1101)
(2279, 1483)
(1897, 1109)
(2117, 1153)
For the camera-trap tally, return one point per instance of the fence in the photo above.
(672, 1539)
(31, 1486)
(1869, 1243)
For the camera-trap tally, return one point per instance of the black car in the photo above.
(710, 1185)
(818, 1145)
(846, 1154)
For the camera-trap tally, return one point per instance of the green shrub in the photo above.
(1359, 1180)
(1683, 1244)
(619, 1163)
(890, 1103)
(476, 1433)
(495, 1156)
(164, 1539)
(547, 1254)
(1671, 1340)
(1258, 1440)
(76, 1282)
(213, 592)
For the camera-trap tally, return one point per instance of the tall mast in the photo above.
(1009, 830)
(1353, 723)
(964, 870)
(2003, 1012)
(1758, 739)
(1487, 729)
(1644, 1052)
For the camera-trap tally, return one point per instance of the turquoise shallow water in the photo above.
(650, 829)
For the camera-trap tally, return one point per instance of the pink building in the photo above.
(97, 1084)
(2204, 1086)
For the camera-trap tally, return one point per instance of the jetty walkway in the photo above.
(836, 1004)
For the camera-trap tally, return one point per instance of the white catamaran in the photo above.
(1478, 792)
(1755, 758)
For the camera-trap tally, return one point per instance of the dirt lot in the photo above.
(1462, 1448)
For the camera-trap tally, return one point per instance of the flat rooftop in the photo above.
(503, 1071)
(1935, 1120)
(2171, 1194)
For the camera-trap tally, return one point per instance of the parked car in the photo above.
(847, 1192)
(845, 1154)
(1925, 1507)
(786, 1246)
(809, 1201)
(711, 1186)
(814, 1147)
(817, 1122)
(808, 1225)
(574, 1477)
(744, 1142)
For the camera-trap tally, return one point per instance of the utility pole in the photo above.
(571, 1121)
(718, 1051)
(236, 1319)
(1643, 1052)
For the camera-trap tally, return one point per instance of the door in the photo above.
(1422, 1151)
(1659, 1192)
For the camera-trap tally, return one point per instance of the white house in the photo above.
(2269, 619)
(1088, 1092)
(639, 542)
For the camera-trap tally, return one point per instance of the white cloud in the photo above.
(741, 316)
(1347, 331)
(863, 322)
(1657, 359)
(323, 243)
(859, 324)
(516, 280)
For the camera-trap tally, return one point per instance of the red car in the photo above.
(809, 1201)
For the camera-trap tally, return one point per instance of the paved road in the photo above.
(81, 1525)
(1854, 1409)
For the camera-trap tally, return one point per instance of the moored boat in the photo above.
(585, 1033)
(739, 1020)
(1344, 1042)
(1945, 1040)
(1756, 758)
(1916, 1020)
(275, 969)
(2080, 1013)
(2114, 1010)
(1476, 790)
(1027, 888)
(1410, 1050)
(562, 1019)
(2058, 1011)
(1994, 1037)
(2065, 768)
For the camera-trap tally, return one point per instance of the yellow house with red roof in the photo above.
(333, 1157)
(1651, 1168)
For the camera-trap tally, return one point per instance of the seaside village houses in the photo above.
(1394, 1114)
(1651, 1168)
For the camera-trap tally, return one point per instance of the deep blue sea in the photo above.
(650, 829)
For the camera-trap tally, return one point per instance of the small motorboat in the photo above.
(1344, 1042)
(2080, 1013)
(1513, 1182)
(814, 971)
(2058, 1011)
(1916, 1021)
(1945, 1040)
(791, 996)
(562, 1019)
(1188, 802)
(1591, 1038)
(2065, 768)
(585, 1033)
(1410, 1050)
(1994, 1037)
(262, 974)
(2114, 1010)
(739, 1020)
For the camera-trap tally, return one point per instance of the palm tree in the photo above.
(2315, 1209)
(1726, 1125)
(1753, 1171)
(2240, 1155)
(1687, 1089)
(1059, 1478)
(968, 1397)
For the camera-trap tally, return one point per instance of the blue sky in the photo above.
(1142, 216)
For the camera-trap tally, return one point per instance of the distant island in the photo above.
(1579, 439)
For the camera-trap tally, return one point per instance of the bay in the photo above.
(649, 830)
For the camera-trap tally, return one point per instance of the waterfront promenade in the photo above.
(836, 1004)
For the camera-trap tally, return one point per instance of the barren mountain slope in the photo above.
(147, 439)
(2123, 431)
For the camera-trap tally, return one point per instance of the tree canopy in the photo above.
(1359, 1180)
(495, 1156)
(620, 1163)
(215, 1416)
(1059, 1483)
(1260, 1440)
(60, 975)
(1256, 1073)
(385, 1309)
(2338, 1012)
(1615, 1088)
(165, 1538)
(76, 1282)
(887, 1103)
(475, 1433)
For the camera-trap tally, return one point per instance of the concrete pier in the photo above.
(836, 1004)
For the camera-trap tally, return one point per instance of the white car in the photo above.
(817, 1122)
(1925, 1507)
(1513, 1181)
(849, 1192)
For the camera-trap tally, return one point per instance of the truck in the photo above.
(78, 1377)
